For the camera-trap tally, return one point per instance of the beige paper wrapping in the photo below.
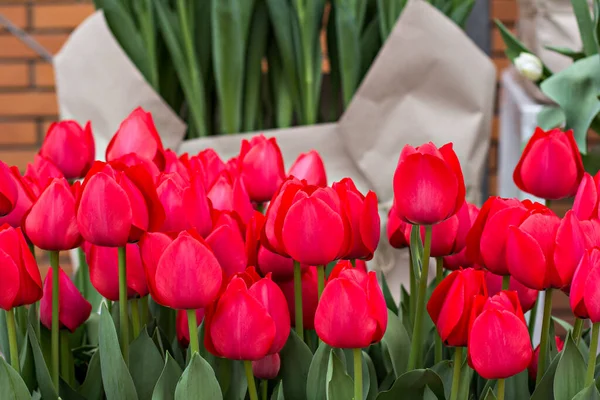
(429, 83)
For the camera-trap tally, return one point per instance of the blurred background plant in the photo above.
(231, 66)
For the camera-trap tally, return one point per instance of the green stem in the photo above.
(458, 355)
(135, 318)
(439, 275)
(577, 330)
(413, 289)
(298, 299)
(251, 382)
(545, 333)
(358, 391)
(500, 389)
(533, 317)
(55, 318)
(415, 349)
(11, 326)
(264, 389)
(193, 327)
(144, 311)
(589, 379)
(123, 311)
(66, 366)
(505, 282)
(320, 280)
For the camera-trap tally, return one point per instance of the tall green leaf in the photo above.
(570, 372)
(167, 383)
(198, 382)
(296, 358)
(581, 9)
(12, 386)
(339, 384)
(145, 365)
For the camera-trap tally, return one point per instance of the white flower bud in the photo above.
(529, 66)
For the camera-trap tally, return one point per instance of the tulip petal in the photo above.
(493, 239)
(585, 204)
(443, 236)
(591, 294)
(446, 305)
(228, 246)
(281, 267)
(570, 246)
(450, 157)
(525, 259)
(377, 305)
(577, 290)
(152, 247)
(370, 224)
(10, 282)
(267, 293)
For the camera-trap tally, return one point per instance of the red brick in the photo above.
(505, 10)
(20, 158)
(44, 74)
(18, 133)
(60, 15)
(28, 104)
(11, 47)
(14, 75)
(17, 14)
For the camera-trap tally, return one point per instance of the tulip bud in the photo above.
(73, 309)
(9, 194)
(70, 148)
(533, 366)
(267, 367)
(309, 167)
(228, 193)
(227, 243)
(24, 200)
(261, 167)
(451, 302)
(21, 283)
(499, 345)
(527, 297)
(585, 204)
(550, 166)
(529, 66)
(176, 165)
(584, 297)
(428, 184)
(398, 231)
(40, 173)
(352, 312)
(460, 259)
(310, 297)
(183, 329)
(208, 164)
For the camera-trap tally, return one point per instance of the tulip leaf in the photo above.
(565, 325)
(12, 386)
(278, 392)
(373, 390)
(115, 375)
(91, 388)
(387, 295)
(397, 343)
(545, 389)
(416, 251)
(42, 374)
(490, 395)
(27, 364)
(349, 355)
(589, 393)
(550, 117)
(445, 370)
(198, 382)
(570, 372)
(412, 385)
(4, 347)
(316, 381)
(339, 384)
(145, 365)
(296, 358)
(167, 382)
(67, 392)
(466, 375)
(517, 387)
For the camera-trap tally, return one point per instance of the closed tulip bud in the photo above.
(116, 207)
(398, 231)
(24, 200)
(183, 329)
(9, 193)
(73, 308)
(70, 147)
(460, 259)
(451, 302)
(500, 345)
(209, 164)
(52, 224)
(137, 134)
(352, 312)
(104, 271)
(267, 367)
(40, 173)
(227, 243)
(533, 366)
(261, 167)
(543, 251)
(363, 215)
(309, 167)
(310, 297)
(185, 203)
(450, 236)
(182, 272)
(584, 296)
(529, 66)
(256, 311)
(585, 204)
(176, 165)
(527, 297)
(21, 283)
(550, 166)
(228, 193)
(428, 184)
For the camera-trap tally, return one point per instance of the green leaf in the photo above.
(581, 9)
(91, 388)
(517, 387)
(198, 382)
(339, 383)
(373, 390)
(278, 392)
(466, 375)
(490, 395)
(115, 375)
(545, 389)
(4, 347)
(550, 117)
(397, 343)
(145, 365)
(296, 358)
(589, 393)
(446, 371)
(574, 55)
(412, 385)
(565, 325)
(67, 392)
(348, 29)
(42, 374)
(570, 372)
(12, 386)
(416, 250)
(317, 373)
(347, 358)
(167, 383)
(387, 295)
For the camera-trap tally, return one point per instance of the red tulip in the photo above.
(550, 166)
(116, 207)
(460, 259)
(450, 236)
(543, 251)
(584, 296)
(533, 365)
(40, 173)
(104, 271)
(352, 311)
(209, 164)
(70, 148)
(227, 243)
(182, 272)
(229, 194)
(133, 160)
(428, 184)
(177, 165)
(310, 297)
(185, 203)
(261, 167)
(585, 204)
(309, 166)
(307, 223)
(451, 302)
(73, 309)
(182, 327)
(249, 321)
(52, 224)
(363, 215)
(398, 231)
(137, 134)
(9, 193)
(25, 199)
(21, 283)
(527, 297)
(267, 367)
(500, 345)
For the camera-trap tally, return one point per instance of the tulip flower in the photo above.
(398, 231)
(228, 193)
(309, 167)
(428, 184)
(227, 243)
(527, 296)
(261, 167)
(177, 165)
(533, 365)
(583, 297)
(70, 147)
(208, 164)
(499, 345)
(74, 309)
(40, 173)
(24, 200)
(267, 367)
(550, 166)
(310, 297)
(52, 224)
(137, 134)
(585, 204)
(9, 193)
(451, 302)
(116, 207)
(363, 215)
(133, 160)
(181, 324)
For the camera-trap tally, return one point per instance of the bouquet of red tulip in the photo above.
(205, 279)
